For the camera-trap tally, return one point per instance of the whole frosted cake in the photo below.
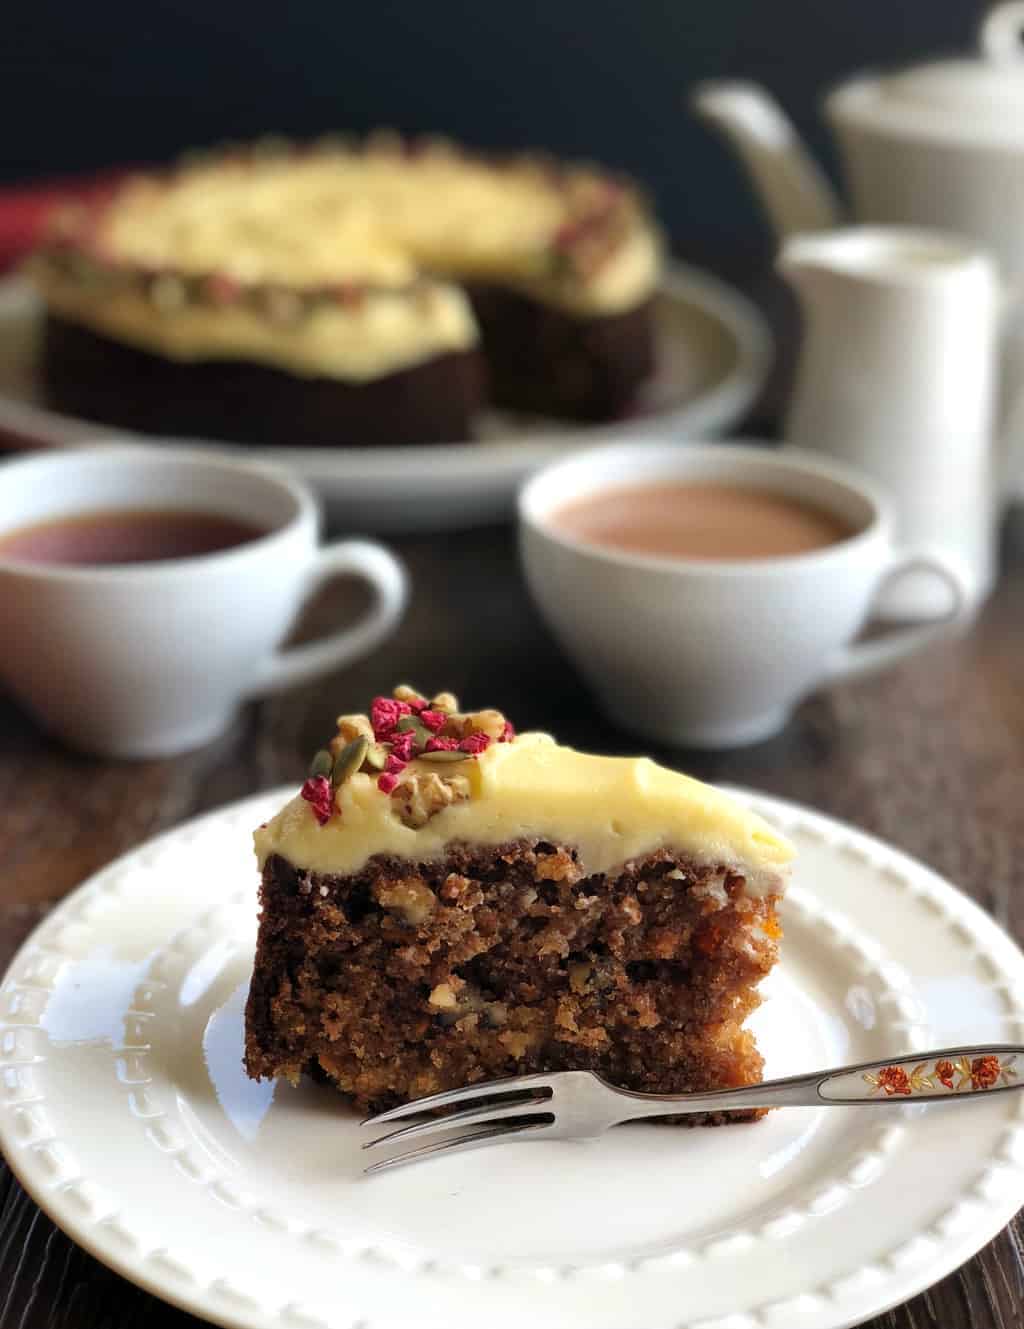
(346, 294)
(446, 902)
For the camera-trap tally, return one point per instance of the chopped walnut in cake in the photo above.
(417, 750)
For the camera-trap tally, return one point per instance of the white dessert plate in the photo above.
(714, 351)
(125, 1112)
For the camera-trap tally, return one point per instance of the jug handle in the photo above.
(1011, 469)
(1010, 451)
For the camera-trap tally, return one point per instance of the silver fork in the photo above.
(579, 1105)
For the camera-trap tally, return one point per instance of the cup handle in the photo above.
(867, 657)
(300, 664)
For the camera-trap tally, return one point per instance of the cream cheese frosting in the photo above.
(357, 343)
(610, 809)
(409, 229)
(302, 221)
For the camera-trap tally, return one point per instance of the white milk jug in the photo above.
(897, 376)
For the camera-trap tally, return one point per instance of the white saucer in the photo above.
(714, 351)
(125, 1112)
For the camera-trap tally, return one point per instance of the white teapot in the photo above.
(939, 144)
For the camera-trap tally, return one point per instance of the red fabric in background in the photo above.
(24, 208)
(23, 213)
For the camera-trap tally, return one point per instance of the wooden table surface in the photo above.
(929, 756)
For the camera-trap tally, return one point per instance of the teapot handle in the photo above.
(1002, 33)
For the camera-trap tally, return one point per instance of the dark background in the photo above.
(86, 85)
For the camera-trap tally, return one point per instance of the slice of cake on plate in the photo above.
(446, 902)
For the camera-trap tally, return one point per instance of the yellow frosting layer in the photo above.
(328, 219)
(383, 334)
(611, 809)
(377, 217)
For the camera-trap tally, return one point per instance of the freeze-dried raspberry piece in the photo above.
(508, 733)
(441, 745)
(402, 746)
(475, 743)
(348, 293)
(434, 720)
(222, 289)
(387, 782)
(317, 793)
(394, 765)
(385, 713)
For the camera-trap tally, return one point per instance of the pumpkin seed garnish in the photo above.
(350, 758)
(376, 757)
(321, 764)
(411, 724)
(444, 755)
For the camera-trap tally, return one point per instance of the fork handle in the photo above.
(945, 1073)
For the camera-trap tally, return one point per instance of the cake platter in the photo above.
(125, 1112)
(714, 351)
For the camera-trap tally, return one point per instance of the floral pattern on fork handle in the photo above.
(932, 1078)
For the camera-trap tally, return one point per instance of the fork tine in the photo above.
(470, 1117)
(511, 1085)
(461, 1144)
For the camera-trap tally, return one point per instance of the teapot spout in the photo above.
(791, 186)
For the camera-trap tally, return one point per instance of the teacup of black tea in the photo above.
(144, 594)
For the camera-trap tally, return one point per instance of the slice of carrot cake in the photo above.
(446, 902)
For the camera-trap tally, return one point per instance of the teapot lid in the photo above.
(986, 93)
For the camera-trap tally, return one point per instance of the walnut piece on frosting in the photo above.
(423, 794)
(417, 750)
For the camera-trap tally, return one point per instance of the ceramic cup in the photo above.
(716, 654)
(151, 659)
